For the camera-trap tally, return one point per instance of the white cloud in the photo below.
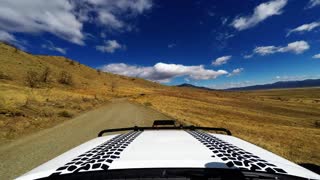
(224, 20)
(221, 60)
(162, 72)
(248, 56)
(316, 56)
(110, 46)
(304, 28)
(50, 46)
(172, 45)
(6, 37)
(65, 18)
(235, 72)
(295, 78)
(313, 3)
(11, 39)
(296, 47)
(261, 13)
(38, 16)
(231, 85)
(110, 13)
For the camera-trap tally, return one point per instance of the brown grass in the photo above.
(282, 121)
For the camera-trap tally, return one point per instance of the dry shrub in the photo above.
(65, 113)
(147, 104)
(46, 113)
(65, 78)
(45, 75)
(71, 62)
(32, 79)
(11, 112)
(85, 99)
(4, 76)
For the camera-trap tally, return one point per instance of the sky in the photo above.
(212, 43)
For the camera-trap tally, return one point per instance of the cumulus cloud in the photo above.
(261, 13)
(296, 47)
(221, 60)
(65, 18)
(313, 3)
(316, 56)
(110, 46)
(304, 28)
(162, 72)
(50, 46)
(55, 17)
(235, 72)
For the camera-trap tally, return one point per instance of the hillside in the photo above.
(33, 95)
(286, 122)
(282, 85)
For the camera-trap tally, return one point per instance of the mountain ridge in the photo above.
(277, 85)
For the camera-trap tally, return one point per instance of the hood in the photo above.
(167, 149)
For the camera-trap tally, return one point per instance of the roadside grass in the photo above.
(25, 110)
(282, 121)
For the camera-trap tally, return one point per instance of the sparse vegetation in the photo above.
(65, 78)
(147, 104)
(113, 86)
(4, 76)
(32, 79)
(282, 121)
(45, 75)
(71, 62)
(66, 114)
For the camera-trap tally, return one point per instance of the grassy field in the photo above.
(286, 122)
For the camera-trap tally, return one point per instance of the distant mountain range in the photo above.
(276, 85)
(193, 86)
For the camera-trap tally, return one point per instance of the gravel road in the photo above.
(26, 153)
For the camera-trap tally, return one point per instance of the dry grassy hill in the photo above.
(286, 122)
(40, 91)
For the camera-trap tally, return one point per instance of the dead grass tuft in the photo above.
(65, 78)
(65, 113)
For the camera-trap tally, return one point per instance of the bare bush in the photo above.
(65, 78)
(45, 75)
(147, 104)
(71, 63)
(66, 114)
(113, 86)
(32, 79)
(99, 71)
(4, 76)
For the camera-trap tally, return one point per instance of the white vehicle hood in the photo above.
(167, 149)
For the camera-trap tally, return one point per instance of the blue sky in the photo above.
(213, 43)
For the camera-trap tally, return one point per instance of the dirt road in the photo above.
(27, 153)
